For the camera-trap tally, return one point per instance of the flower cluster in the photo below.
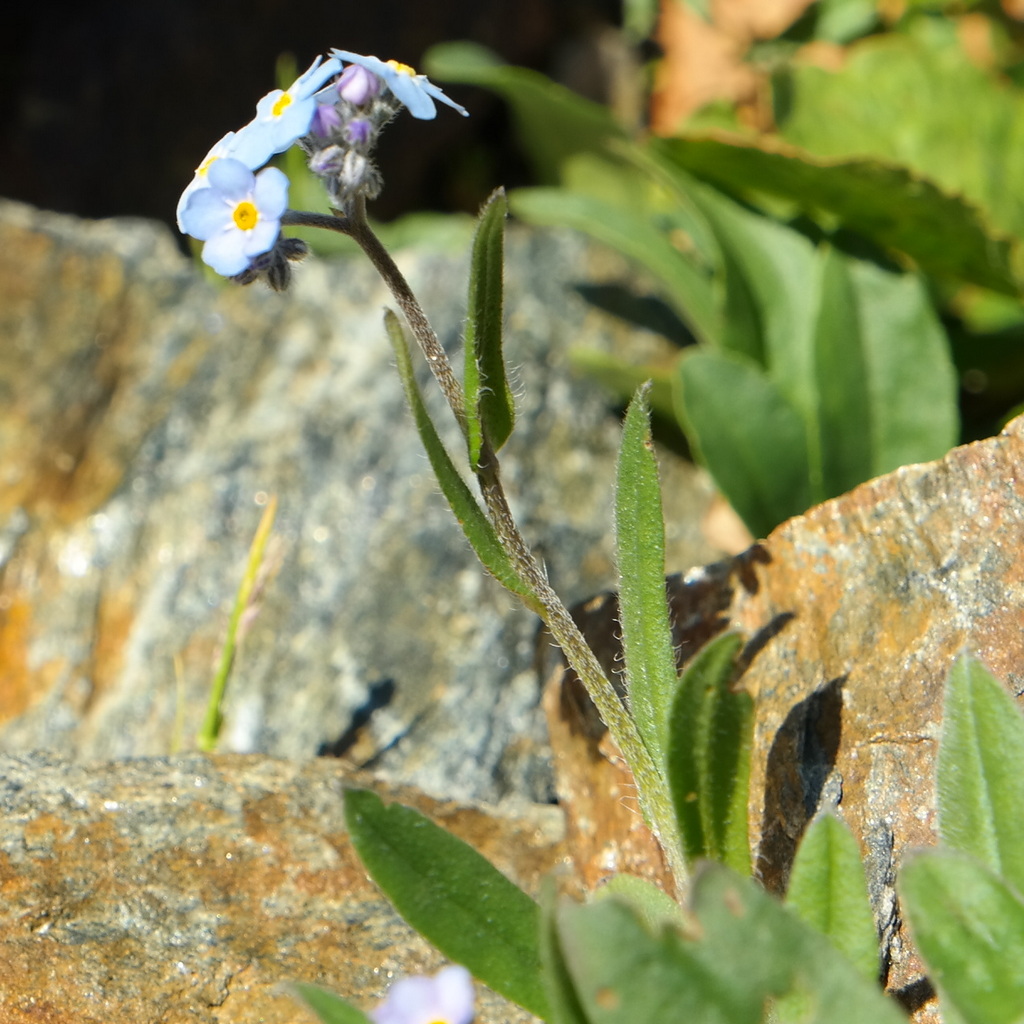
(335, 111)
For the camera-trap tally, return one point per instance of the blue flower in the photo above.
(225, 147)
(415, 91)
(283, 116)
(237, 215)
(446, 998)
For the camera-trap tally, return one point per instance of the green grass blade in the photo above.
(452, 896)
(643, 608)
(475, 524)
(210, 730)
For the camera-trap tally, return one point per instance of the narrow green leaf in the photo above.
(710, 738)
(747, 433)
(841, 458)
(451, 895)
(625, 974)
(828, 890)
(643, 607)
(969, 926)
(980, 777)
(329, 1008)
(475, 524)
(687, 287)
(490, 411)
(760, 943)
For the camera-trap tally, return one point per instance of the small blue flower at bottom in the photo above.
(417, 92)
(446, 998)
(238, 214)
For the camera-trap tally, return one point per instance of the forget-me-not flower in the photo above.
(225, 147)
(417, 92)
(446, 998)
(284, 115)
(237, 214)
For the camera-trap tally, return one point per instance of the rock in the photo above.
(147, 415)
(854, 615)
(194, 888)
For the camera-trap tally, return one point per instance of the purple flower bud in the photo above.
(325, 120)
(358, 131)
(357, 85)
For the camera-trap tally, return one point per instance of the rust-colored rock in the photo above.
(192, 889)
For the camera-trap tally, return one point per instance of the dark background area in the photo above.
(109, 106)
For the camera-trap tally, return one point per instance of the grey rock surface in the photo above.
(146, 415)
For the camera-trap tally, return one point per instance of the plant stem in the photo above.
(653, 793)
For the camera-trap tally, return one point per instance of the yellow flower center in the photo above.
(246, 215)
(404, 69)
(281, 104)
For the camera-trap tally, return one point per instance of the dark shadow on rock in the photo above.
(380, 696)
(801, 759)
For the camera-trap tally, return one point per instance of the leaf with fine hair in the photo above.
(980, 777)
(643, 607)
(708, 763)
(968, 924)
(490, 411)
(475, 524)
(329, 1008)
(454, 897)
(828, 890)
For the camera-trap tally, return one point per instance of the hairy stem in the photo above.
(654, 797)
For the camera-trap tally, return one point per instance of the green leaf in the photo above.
(948, 121)
(329, 1008)
(563, 999)
(686, 287)
(771, 265)
(828, 890)
(748, 435)
(888, 203)
(475, 524)
(653, 906)
(490, 411)
(648, 653)
(740, 950)
(980, 777)
(842, 447)
(451, 895)
(624, 973)
(557, 122)
(912, 383)
(761, 944)
(710, 738)
(969, 926)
